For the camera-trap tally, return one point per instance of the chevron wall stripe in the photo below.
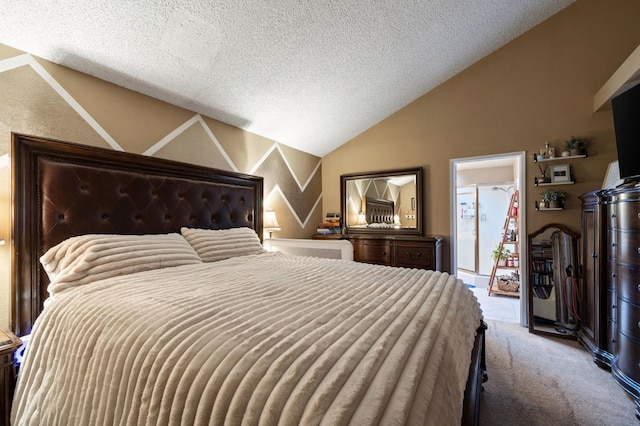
(28, 60)
(301, 196)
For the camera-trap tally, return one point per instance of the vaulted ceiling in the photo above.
(309, 74)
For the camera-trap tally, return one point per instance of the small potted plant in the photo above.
(576, 145)
(553, 199)
(500, 257)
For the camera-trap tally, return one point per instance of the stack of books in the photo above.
(331, 224)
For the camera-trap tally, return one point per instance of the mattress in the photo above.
(260, 339)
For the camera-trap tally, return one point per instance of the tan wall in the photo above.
(40, 98)
(538, 88)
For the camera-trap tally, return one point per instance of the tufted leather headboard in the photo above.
(62, 190)
(379, 210)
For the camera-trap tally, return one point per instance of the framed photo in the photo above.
(560, 173)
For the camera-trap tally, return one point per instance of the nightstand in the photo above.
(8, 345)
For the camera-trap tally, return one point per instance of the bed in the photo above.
(177, 315)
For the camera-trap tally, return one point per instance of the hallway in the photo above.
(499, 308)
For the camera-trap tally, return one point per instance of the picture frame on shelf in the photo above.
(560, 173)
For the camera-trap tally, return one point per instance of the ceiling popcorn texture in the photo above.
(311, 74)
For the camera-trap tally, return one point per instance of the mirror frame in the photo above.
(345, 178)
(578, 267)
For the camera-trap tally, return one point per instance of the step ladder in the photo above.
(512, 215)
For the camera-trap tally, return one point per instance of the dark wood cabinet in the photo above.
(397, 250)
(610, 317)
(595, 321)
(8, 345)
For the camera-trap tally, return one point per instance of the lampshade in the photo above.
(270, 222)
(362, 219)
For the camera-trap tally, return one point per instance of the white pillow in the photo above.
(219, 244)
(87, 258)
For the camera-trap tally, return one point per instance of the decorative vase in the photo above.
(555, 204)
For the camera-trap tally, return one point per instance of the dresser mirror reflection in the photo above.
(385, 202)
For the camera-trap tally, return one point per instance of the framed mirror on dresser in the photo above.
(383, 216)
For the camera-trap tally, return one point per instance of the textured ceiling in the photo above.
(309, 74)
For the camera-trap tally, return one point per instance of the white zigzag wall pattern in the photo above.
(29, 60)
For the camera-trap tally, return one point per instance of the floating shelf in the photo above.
(554, 183)
(549, 208)
(569, 157)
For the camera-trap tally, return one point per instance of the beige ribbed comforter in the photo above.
(263, 339)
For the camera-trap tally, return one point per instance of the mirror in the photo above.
(387, 202)
(554, 281)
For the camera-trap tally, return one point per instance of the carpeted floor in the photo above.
(536, 380)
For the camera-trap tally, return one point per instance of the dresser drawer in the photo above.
(612, 245)
(629, 319)
(629, 248)
(629, 284)
(612, 341)
(628, 215)
(612, 305)
(628, 358)
(414, 256)
(611, 275)
(372, 252)
(612, 217)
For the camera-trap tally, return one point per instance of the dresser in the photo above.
(395, 250)
(610, 327)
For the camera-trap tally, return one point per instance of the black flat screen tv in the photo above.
(626, 121)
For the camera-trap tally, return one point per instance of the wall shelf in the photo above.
(544, 160)
(554, 183)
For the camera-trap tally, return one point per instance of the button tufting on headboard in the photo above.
(63, 190)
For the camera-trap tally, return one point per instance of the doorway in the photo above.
(481, 193)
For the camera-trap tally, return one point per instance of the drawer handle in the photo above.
(614, 275)
(613, 215)
(638, 324)
(638, 287)
(411, 255)
(638, 250)
(614, 245)
(613, 306)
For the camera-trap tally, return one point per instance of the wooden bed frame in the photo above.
(63, 189)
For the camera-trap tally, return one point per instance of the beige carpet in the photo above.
(536, 380)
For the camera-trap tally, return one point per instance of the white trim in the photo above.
(520, 157)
